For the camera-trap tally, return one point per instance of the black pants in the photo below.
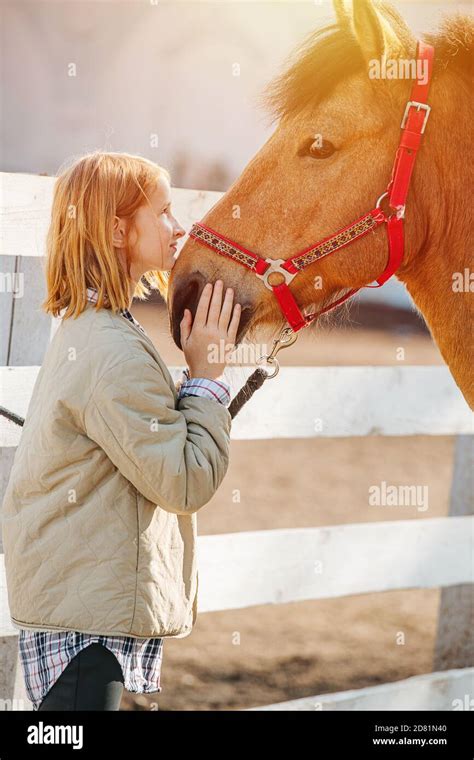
(93, 680)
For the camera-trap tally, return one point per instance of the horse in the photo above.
(337, 104)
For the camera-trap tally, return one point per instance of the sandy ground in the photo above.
(301, 649)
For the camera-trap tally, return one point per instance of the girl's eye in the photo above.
(316, 148)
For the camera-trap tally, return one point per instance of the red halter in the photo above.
(413, 126)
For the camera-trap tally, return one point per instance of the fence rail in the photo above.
(313, 402)
(245, 569)
(448, 690)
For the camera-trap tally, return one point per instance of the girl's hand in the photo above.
(208, 341)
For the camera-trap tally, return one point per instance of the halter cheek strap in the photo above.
(413, 126)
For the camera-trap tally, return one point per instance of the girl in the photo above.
(114, 461)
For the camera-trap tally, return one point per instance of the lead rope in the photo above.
(12, 416)
(254, 382)
(286, 338)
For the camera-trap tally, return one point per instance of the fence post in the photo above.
(454, 647)
(12, 686)
(24, 344)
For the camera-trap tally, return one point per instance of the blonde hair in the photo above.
(79, 251)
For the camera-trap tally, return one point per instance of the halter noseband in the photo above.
(413, 125)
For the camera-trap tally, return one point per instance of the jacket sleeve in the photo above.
(175, 457)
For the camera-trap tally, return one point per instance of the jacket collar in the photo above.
(92, 296)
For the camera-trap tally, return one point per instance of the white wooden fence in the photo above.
(239, 570)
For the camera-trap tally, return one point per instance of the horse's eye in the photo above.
(316, 147)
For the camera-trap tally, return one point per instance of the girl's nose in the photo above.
(179, 231)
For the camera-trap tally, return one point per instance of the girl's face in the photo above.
(154, 244)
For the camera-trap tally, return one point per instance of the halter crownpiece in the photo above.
(413, 125)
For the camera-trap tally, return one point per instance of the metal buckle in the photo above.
(411, 103)
(286, 338)
(275, 266)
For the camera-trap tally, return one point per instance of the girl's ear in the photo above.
(119, 233)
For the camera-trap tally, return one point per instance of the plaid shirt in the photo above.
(45, 654)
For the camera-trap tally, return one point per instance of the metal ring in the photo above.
(276, 266)
(273, 361)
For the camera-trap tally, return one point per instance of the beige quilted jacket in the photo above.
(99, 516)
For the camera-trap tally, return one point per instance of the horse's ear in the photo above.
(343, 12)
(373, 25)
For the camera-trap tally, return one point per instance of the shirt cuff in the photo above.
(204, 387)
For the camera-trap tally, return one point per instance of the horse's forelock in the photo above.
(326, 57)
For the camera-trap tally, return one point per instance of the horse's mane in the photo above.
(454, 45)
(330, 54)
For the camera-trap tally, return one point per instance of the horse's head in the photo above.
(328, 160)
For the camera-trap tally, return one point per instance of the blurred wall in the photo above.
(152, 77)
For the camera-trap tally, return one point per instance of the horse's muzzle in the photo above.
(185, 292)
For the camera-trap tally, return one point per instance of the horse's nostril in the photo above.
(185, 296)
